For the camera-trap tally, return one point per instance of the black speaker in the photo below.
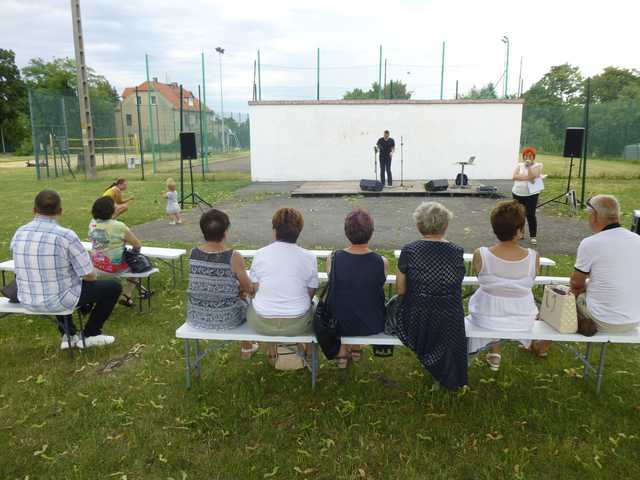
(188, 146)
(436, 185)
(371, 185)
(573, 139)
(462, 180)
(635, 222)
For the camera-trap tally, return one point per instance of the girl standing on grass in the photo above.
(173, 207)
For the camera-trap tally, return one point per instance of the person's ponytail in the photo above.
(118, 180)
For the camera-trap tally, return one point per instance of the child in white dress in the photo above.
(173, 207)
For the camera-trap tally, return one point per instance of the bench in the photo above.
(9, 266)
(8, 308)
(540, 331)
(172, 257)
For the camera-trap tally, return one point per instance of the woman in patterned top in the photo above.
(218, 281)
(108, 239)
(430, 320)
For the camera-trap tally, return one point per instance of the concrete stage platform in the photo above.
(411, 188)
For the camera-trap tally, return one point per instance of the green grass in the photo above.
(66, 418)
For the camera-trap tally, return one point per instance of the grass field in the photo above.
(122, 412)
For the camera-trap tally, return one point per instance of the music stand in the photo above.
(468, 162)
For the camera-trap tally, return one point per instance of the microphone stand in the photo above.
(401, 161)
(375, 163)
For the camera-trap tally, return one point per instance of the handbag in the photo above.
(558, 308)
(392, 310)
(324, 322)
(137, 262)
(10, 290)
(286, 356)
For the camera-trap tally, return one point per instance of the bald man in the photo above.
(607, 271)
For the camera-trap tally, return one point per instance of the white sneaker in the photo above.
(96, 341)
(534, 241)
(172, 222)
(66, 344)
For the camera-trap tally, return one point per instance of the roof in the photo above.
(170, 91)
(384, 102)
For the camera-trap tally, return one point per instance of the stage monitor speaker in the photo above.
(371, 185)
(573, 138)
(487, 189)
(188, 149)
(436, 185)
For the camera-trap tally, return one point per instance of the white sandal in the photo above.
(247, 353)
(495, 364)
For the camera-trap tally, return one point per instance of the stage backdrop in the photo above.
(333, 140)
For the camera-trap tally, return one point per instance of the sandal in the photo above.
(493, 360)
(356, 354)
(342, 362)
(126, 301)
(247, 353)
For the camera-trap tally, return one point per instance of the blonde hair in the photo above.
(170, 184)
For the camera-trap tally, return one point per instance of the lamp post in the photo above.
(505, 40)
(221, 52)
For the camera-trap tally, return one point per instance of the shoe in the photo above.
(172, 223)
(96, 341)
(534, 241)
(493, 360)
(247, 353)
(179, 222)
(66, 344)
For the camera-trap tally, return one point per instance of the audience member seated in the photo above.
(430, 317)
(285, 278)
(108, 240)
(54, 273)
(357, 296)
(607, 271)
(506, 274)
(218, 281)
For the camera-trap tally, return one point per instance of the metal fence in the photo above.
(133, 128)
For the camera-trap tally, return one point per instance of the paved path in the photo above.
(252, 207)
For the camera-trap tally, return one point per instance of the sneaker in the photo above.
(172, 223)
(534, 241)
(96, 341)
(67, 343)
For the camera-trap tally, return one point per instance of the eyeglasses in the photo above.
(590, 205)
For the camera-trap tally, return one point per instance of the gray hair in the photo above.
(606, 207)
(432, 218)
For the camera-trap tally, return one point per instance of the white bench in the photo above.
(8, 308)
(9, 266)
(540, 331)
(172, 257)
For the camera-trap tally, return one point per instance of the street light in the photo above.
(505, 40)
(220, 51)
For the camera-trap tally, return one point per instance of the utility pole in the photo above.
(505, 40)
(442, 74)
(520, 80)
(380, 75)
(86, 123)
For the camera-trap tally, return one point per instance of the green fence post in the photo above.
(442, 74)
(318, 76)
(34, 140)
(150, 109)
(205, 157)
(380, 74)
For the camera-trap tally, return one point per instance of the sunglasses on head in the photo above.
(590, 205)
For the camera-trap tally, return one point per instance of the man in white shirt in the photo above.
(285, 278)
(607, 270)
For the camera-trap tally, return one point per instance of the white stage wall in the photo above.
(333, 140)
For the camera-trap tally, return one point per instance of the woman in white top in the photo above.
(506, 273)
(527, 186)
(285, 278)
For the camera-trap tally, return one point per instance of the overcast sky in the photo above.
(118, 33)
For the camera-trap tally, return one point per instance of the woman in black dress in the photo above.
(357, 295)
(430, 320)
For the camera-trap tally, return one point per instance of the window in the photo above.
(129, 122)
(191, 101)
(153, 100)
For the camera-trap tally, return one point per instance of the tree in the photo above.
(394, 89)
(13, 100)
(60, 74)
(488, 91)
(561, 85)
(609, 85)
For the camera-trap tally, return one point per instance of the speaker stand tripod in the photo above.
(192, 196)
(568, 195)
(401, 161)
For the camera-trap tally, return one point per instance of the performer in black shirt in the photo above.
(386, 147)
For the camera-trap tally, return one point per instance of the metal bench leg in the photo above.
(181, 269)
(314, 365)
(187, 363)
(600, 372)
(149, 293)
(173, 272)
(587, 354)
(196, 365)
(67, 332)
(80, 320)
(4, 280)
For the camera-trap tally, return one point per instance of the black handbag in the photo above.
(137, 262)
(10, 290)
(324, 323)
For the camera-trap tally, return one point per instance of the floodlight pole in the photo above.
(442, 74)
(380, 75)
(150, 112)
(505, 40)
(259, 80)
(86, 123)
(205, 157)
(586, 142)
